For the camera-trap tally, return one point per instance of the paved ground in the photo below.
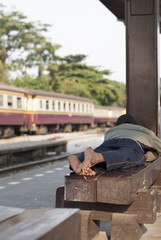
(35, 188)
(153, 230)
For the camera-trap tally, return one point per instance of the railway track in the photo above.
(27, 165)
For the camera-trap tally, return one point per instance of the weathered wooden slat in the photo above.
(122, 189)
(101, 215)
(144, 207)
(115, 187)
(8, 212)
(55, 224)
(125, 227)
(22, 218)
(77, 188)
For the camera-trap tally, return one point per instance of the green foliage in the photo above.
(74, 58)
(22, 43)
(74, 77)
(28, 81)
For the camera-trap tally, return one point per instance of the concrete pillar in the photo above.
(142, 78)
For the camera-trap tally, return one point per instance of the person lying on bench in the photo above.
(126, 145)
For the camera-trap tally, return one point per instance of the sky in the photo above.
(80, 27)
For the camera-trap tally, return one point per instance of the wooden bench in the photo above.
(58, 224)
(128, 198)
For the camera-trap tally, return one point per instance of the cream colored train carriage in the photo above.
(107, 116)
(38, 111)
(51, 111)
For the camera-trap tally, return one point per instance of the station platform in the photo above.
(153, 231)
(19, 152)
(24, 145)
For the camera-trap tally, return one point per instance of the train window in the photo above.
(19, 102)
(82, 107)
(78, 107)
(69, 107)
(9, 101)
(41, 105)
(64, 106)
(74, 107)
(86, 107)
(47, 104)
(1, 100)
(59, 106)
(53, 105)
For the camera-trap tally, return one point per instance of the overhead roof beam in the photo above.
(117, 7)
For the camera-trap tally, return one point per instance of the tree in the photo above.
(72, 76)
(28, 81)
(22, 43)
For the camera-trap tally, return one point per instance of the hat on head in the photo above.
(125, 118)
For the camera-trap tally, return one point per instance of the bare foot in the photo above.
(91, 158)
(90, 172)
(77, 166)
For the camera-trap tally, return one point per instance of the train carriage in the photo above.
(107, 116)
(38, 111)
(51, 111)
(13, 115)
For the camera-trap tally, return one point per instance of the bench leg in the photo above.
(157, 186)
(125, 227)
(144, 206)
(158, 202)
(89, 227)
(60, 197)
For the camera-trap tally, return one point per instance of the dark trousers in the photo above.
(120, 153)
